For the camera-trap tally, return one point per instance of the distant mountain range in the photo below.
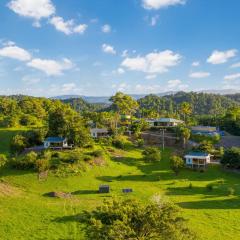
(105, 99)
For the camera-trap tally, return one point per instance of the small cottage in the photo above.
(55, 142)
(197, 159)
(99, 132)
(164, 122)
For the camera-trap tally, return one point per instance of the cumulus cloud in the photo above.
(199, 74)
(67, 27)
(157, 4)
(66, 87)
(108, 49)
(152, 76)
(232, 77)
(235, 65)
(196, 64)
(15, 52)
(51, 67)
(81, 28)
(219, 57)
(124, 53)
(155, 62)
(106, 28)
(35, 9)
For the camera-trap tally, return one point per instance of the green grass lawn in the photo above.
(27, 214)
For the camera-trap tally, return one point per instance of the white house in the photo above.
(197, 159)
(55, 142)
(98, 132)
(164, 122)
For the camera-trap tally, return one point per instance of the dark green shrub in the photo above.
(230, 191)
(209, 187)
(18, 144)
(151, 154)
(97, 153)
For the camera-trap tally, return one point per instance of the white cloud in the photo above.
(51, 67)
(81, 28)
(236, 65)
(61, 25)
(108, 49)
(232, 77)
(106, 28)
(199, 74)
(124, 53)
(218, 57)
(157, 4)
(67, 27)
(155, 62)
(120, 71)
(174, 83)
(35, 9)
(15, 52)
(196, 64)
(152, 76)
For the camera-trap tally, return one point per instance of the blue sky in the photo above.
(98, 47)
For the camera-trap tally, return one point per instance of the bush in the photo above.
(18, 144)
(122, 142)
(27, 161)
(231, 191)
(140, 142)
(3, 160)
(209, 187)
(42, 165)
(190, 186)
(176, 164)
(231, 158)
(151, 154)
(97, 153)
(130, 219)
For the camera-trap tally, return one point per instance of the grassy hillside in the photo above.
(26, 213)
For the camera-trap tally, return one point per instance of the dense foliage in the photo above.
(129, 219)
(231, 158)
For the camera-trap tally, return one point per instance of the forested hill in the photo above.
(80, 105)
(201, 103)
(235, 97)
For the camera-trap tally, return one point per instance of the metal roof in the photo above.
(55, 139)
(197, 154)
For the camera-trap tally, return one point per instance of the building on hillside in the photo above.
(98, 132)
(164, 122)
(197, 159)
(205, 130)
(56, 142)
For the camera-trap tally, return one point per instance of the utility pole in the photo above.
(163, 139)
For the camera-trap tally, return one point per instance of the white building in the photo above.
(98, 132)
(55, 142)
(197, 159)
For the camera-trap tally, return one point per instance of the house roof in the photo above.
(99, 130)
(55, 139)
(197, 154)
(169, 120)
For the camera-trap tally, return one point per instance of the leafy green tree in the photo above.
(231, 158)
(129, 219)
(151, 154)
(18, 144)
(185, 109)
(185, 134)
(176, 164)
(124, 104)
(3, 160)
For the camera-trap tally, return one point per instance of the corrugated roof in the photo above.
(55, 139)
(198, 154)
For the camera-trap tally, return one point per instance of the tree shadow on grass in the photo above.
(85, 192)
(65, 219)
(228, 203)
